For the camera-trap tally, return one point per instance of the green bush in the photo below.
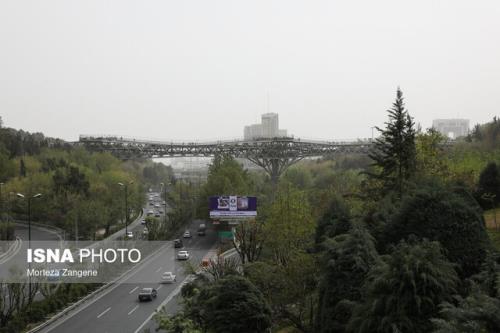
(439, 214)
(403, 292)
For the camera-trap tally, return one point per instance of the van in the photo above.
(202, 229)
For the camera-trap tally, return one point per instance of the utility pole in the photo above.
(127, 213)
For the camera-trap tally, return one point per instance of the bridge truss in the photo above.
(273, 155)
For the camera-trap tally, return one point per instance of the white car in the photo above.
(183, 255)
(130, 234)
(143, 221)
(145, 231)
(168, 277)
(187, 234)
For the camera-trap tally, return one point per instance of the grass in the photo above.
(493, 231)
(489, 217)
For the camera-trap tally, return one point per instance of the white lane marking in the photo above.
(159, 269)
(102, 313)
(131, 311)
(117, 282)
(168, 299)
(130, 292)
(159, 287)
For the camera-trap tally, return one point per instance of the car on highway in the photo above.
(150, 212)
(147, 294)
(187, 234)
(183, 255)
(178, 243)
(157, 206)
(143, 221)
(130, 234)
(168, 277)
(202, 229)
(145, 231)
(157, 214)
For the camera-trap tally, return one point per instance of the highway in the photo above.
(37, 232)
(117, 308)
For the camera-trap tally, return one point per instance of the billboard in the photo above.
(232, 206)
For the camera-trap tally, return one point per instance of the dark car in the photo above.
(202, 229)
(147, 294)
(178, 243)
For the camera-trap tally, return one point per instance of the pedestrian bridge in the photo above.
(275, 155)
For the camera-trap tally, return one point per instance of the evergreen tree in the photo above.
(403, 292)
(22, 168)
(394, 153)
(347, 260)
(334, 222)
(478, 312)
(489, 185)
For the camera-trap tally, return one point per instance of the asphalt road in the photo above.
(37, 233)
(118, 310)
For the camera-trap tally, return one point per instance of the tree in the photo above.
(177, 323)
(226, 175)
(290, 290)
(347, 260)
(299, 177)
(7, 166)
(437, 213)
(489, 185)
(289, 227)
(334, 222)
(248, 240)
(476, 313)
(233, 305)
(22, 169)
(403, 292)
(394, 151)
(430, 155)
(221, 267)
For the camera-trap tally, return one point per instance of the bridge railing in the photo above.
(142, 140)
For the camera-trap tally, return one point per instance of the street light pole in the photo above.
(164, 190)
(22, 196)
(1, 201)
(126, 205)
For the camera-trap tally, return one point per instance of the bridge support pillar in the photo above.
(274, 167)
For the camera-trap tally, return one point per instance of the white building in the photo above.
(270, 125)
(269, 128)
(452, 128)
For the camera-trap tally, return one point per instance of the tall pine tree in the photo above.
(394, 153)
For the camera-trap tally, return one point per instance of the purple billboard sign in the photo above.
(232, 206)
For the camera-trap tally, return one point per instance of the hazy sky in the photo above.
(202, 69)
